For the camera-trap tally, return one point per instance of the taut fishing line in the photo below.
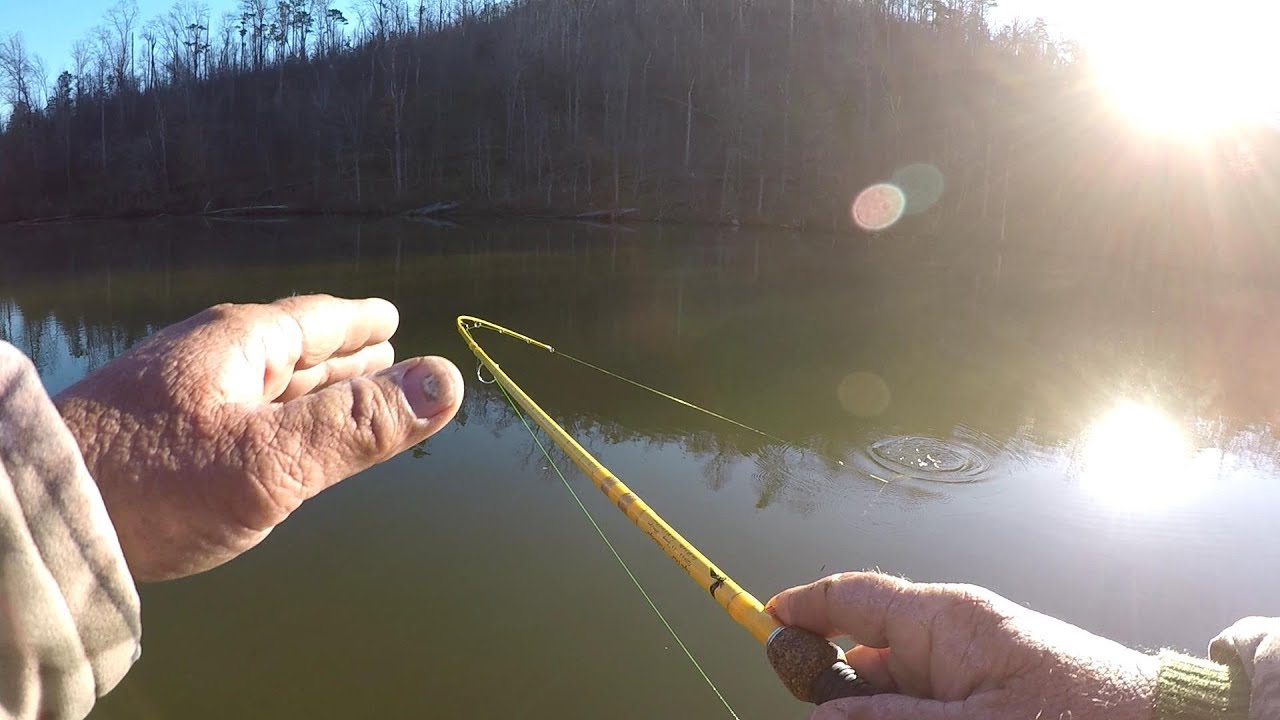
(810, 666)
(614, 551)
(652, 390)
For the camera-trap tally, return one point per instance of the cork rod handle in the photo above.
(812, 667)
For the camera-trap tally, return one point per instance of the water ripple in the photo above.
(921, 457)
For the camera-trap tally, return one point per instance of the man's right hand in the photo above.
(959, 651)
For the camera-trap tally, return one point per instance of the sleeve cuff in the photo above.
(1189, 688)
(72, 629)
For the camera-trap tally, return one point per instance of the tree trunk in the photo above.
(688, 126)
(102, 117)
(359, 189)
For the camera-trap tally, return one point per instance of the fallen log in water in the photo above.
(433, 209)
(610, 215)
(248, 210)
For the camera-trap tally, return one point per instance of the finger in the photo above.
(336, 326)
(872, 665)
(334, 433)
(889, 707)
(366, 360)
(854, 604)
(303, 331)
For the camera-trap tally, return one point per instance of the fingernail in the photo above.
(432, 387)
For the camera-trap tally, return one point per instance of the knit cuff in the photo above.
(1189, 688)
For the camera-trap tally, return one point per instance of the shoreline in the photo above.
(447, 212)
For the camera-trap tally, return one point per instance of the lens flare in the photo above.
(922, 185)
(879, 207)
(863, 394)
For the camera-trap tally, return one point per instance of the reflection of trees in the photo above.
(46, 337)
(718, 452)
(771, 474)
(778, 473)
(1033, 357)
(718, 466)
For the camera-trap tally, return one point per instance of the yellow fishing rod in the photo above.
(811, 667)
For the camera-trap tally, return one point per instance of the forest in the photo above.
(727, 111)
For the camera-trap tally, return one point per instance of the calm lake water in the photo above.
(1091, 437)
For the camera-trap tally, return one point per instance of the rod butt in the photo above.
(812, 667)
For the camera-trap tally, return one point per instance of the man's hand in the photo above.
(959, 652)
(207, 435)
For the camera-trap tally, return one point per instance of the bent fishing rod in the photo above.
(810, 666)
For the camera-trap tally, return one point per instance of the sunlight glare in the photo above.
(1136, 458)
(1187, 71)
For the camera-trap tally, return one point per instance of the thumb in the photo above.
(354, 424)
(888, 707)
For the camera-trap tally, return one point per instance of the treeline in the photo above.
(725, 110)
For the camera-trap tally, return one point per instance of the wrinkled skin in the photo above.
(211, 432)
(958, 652)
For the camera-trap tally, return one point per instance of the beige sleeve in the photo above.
(70, 623)
(1253, 644)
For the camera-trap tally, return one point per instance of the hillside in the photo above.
(713, 110)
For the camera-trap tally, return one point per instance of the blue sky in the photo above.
(51, 26)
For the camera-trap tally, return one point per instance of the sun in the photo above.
(1190, 71)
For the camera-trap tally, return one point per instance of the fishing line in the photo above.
(647, 388)
(689, 654)
(809, 665)
(675, 399)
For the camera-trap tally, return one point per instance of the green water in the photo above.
(462, 581)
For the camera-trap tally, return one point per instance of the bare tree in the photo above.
(376, 17)
(122, 19)
(253, 17)
(81, 56)
(21, 74)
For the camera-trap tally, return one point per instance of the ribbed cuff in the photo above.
(1190, 688)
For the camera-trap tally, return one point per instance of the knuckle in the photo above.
(965, 605)
(965, 593)
(293, 301)
(829, 583)
(219, 319)
(376, 421)
(222, 311)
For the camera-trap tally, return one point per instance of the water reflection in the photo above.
(904, 361)
(1134, 457)
(943, 354)
(64, 347)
